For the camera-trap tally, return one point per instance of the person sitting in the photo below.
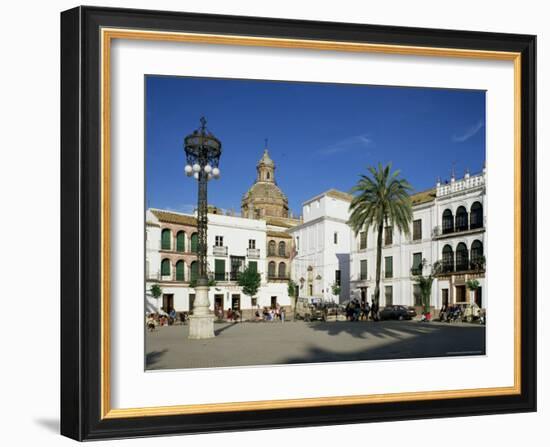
(150, 323)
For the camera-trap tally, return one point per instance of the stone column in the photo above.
(201, 323)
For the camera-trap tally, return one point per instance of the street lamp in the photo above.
(202, 150)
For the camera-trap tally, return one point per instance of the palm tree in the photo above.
(382, 200)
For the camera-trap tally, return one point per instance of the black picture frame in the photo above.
(81, 224)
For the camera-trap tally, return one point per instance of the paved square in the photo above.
(263, 343)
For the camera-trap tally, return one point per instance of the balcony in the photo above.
(278, 278)
(219, 250)
(442, 233)
(253, 253)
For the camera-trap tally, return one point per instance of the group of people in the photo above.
(232, 315)
(356, 311)
(450, 313)
(154, 319)
(276, 313)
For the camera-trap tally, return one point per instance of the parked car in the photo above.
(397, 312)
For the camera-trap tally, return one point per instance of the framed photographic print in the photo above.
(276, 223)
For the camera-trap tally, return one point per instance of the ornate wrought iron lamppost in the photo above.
(203, 151)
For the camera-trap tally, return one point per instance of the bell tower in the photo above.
(266, 168)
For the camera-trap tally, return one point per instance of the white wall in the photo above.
(31, 168)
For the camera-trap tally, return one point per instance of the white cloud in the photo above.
(469, 133)
(347, 144)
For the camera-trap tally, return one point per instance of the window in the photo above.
(448, 259)
(219, 269)
(362, 240)
(251, 243)
(180, 271)
(282, 270)
(165, 267)
(180, 241)
(417, 264)
(388, 236)
(461, 219)
(165, 239)
(417, 230)
(219, 241)
(476, 255)
(461, 257)
(297, 243)
(194, 271)
(335, 238)
(271, 248)
(448, 224)
(476, 216)
(310, 290)
(337, 276)
(389, 267)
(254, 302)
(271, 269)
(237, 266)
(417, 297)
(253, 266)
(388, 292)
(282, 249)
(363, 273)
(194, 243)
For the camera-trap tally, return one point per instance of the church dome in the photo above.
(264, 198)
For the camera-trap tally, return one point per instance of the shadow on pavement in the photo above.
(152, 358)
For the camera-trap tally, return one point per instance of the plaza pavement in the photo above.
(271, 343)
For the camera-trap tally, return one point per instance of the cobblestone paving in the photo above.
(263, 343)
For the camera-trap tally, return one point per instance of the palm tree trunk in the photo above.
(378, 263)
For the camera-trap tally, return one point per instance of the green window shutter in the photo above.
(194, 270)
(364, 269)
(180, 271)
(253, 266)
(180, 241)
(417, 263)
(165, 239)
(165, 267)
(389, 266)
(219, 269)
(194, 243)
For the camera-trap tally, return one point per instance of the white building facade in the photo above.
(447, 230)
(322, 244)
(233, 244)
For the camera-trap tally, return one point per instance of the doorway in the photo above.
(236, 302)
(477, 297)
(445, 297)
(167, 302)
(191, 302)
(363, 295)
(273, 302)
(460, 296)
(218, 301)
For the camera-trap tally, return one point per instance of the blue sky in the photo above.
(320, 136)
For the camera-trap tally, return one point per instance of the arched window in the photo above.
(461, 257)
(282, 248)
(165, 239)
(271, 270)
(194, 243)
(461, 219)
(194, 271)
(165, 267)
(448, 259)
(282, 270)
(180, 271)
(448, 224)
(271, 248)
(180, 241)
(476, 255)
(476, 216)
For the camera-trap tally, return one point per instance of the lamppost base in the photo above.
(201, 323)
(201, 327)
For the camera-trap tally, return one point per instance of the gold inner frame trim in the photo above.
(107, 35)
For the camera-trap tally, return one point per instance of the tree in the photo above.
(292, 289)
(156, 291)
(472, 285)
(250, 281)
(335, 289)
(382, 200)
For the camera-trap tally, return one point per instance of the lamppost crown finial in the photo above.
(203, 123)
